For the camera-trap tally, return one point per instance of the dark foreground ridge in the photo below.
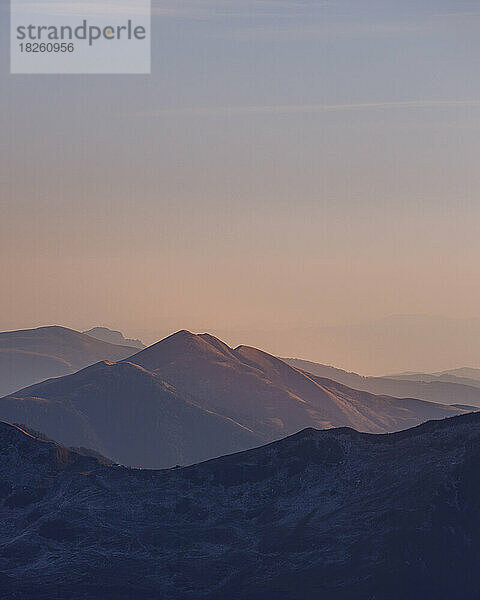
(322, 514)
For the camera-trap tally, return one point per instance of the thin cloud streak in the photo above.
(214, 9)
(326, 31)
(310, 108)
(176, 9)
(60, 8)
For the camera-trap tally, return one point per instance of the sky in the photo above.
(287, 166)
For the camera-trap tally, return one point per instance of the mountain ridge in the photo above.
(337, 512)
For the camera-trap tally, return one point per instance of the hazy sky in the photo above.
(287, 164)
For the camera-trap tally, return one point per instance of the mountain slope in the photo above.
(443, 390)
(32, 355)
(331, 514)
(265, 394)
(191, 397)
(127, 414)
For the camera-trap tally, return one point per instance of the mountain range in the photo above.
(322, 514)
(191, 397)
(31, 355)
(444, 388)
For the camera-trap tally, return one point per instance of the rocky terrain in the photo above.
(191, 397)
(323, 514)
(31, 355)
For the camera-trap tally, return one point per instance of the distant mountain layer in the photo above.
(464, 376)
(32, 355)
(415, 342)
(192, 397)
(113, 337)
(443, 388)
(322, 514)
(467, 372)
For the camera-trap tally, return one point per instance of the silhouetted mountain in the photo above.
(113, 337)
(191, 397)
(323, 514)
(31, 355)
(447, 389)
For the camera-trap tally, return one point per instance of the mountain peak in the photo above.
(181, 333)
(185, 347)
